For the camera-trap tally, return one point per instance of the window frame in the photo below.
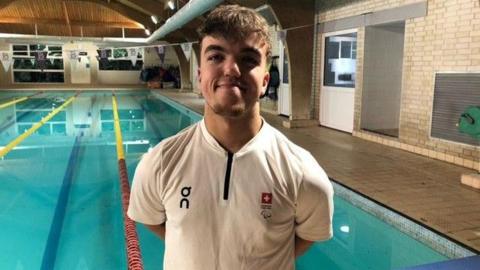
(29, 55)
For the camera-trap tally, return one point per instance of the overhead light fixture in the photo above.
(154, 19)
(147, 32)
(171, 5)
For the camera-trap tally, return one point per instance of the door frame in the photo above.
(283, 106)
(344, 90)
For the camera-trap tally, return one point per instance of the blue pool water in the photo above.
(60, 196)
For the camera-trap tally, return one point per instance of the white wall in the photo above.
(97, 77)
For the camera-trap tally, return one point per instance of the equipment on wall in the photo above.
(469, 122)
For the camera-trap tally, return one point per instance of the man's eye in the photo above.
(215, 58)
(250, 61)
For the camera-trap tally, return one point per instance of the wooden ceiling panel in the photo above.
(17, 28)
(97, 18)
(135, 33)
(49, 30)
(87, 11)
(101, 32)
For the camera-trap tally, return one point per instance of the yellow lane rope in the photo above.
(116, 125)
(34, 128)
(6, 104)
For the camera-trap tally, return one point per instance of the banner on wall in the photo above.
(187, 50)
(102, 56)
(41, 58)
(133, 55)
(73, 55)
(6, 58)
(161, 53)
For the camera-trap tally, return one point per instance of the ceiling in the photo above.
(83, 18)
(121, 18)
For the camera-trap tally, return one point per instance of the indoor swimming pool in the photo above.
(61, 199)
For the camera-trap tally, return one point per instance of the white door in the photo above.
(284, 87)
(80, 70)
(339, 54)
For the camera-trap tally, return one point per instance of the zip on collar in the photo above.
(227, 176)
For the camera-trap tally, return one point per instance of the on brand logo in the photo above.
(185, 192)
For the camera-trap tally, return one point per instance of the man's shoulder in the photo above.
(177, 142)
(284, 144)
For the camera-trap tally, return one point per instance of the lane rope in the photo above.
(134, 256)
(6, 104)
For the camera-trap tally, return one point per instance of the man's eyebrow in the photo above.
(214, 48)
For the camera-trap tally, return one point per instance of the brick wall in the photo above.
(446, 40)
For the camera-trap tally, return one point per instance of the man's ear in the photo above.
(199, 78)
(265, 81)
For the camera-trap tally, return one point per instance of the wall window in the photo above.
(26, 69)
(118, 59)
(130, 120)
(341, 60)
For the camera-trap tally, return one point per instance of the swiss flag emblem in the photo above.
(267, 198)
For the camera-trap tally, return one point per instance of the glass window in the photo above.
(120, 65)
(340, 60)
(285, 67)
(20, 50)
(27, 70)
(118, 60)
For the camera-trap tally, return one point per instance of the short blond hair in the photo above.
(234, 22)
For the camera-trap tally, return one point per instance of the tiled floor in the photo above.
(427, 190)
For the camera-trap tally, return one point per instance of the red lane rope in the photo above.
(133, 248)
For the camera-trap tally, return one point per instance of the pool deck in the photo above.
(426, 190)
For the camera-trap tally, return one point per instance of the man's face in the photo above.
(232, 75)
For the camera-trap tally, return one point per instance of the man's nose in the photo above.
(231, 68)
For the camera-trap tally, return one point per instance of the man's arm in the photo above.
(159, 230)
(301, 246)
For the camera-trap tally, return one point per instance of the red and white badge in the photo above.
(266, 198)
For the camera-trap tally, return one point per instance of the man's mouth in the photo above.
(230, 85)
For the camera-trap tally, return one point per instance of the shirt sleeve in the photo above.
(314, 203)
(146, 205)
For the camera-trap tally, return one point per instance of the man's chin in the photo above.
(232, 111)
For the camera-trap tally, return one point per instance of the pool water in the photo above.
(61, 202)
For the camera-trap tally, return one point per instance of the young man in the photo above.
(231, 192)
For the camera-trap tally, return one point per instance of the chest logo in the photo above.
(266, 205)
(185, 192)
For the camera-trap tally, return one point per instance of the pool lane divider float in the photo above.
(6, 104)
(34, 128)
(50, 251)
(134, 256)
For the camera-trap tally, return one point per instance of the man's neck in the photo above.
(230, 132)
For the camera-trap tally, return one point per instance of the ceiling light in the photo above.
(147, 32)
(171, 5)
(154, 19)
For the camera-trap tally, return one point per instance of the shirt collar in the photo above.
(256, 142)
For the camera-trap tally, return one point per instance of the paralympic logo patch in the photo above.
(266, 205)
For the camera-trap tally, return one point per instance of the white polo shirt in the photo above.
(232, 211)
